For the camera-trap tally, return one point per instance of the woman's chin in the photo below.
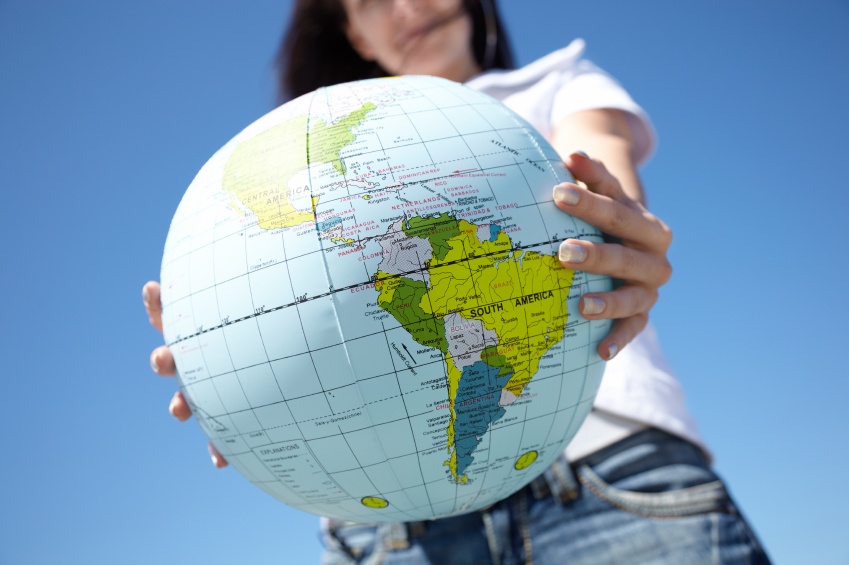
(448, 66)
(440, 54)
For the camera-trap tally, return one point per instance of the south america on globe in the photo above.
(363, 300)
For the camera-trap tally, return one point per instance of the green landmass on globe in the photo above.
(484, 306)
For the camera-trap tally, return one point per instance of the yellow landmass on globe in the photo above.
(259, 170)
(387, 285)
(523, 301)
(374, 502)
(519, 296)
(525, 460)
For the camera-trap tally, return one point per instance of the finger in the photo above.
(153, 304)
(623, 302)
(179, 408)
(634, 224)
(621, 334)
(595, 175)
(614, 260)
(162, 362)
(217, 459)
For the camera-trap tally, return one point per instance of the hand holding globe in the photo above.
(365, 308)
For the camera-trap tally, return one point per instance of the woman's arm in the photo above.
(609, 196)
(606, 136)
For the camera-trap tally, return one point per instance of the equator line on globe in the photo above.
(365, 308)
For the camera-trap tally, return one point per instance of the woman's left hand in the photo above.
(640, 260)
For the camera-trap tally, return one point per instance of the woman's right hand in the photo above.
(162, 363)
(638, 260)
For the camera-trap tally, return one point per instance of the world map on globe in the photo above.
(363, 300)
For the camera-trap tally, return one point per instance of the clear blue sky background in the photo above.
(108, 109)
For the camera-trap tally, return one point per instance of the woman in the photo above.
(646, 491)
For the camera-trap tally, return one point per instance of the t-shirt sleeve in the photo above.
(587, 87)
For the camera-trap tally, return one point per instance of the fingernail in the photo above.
(570, 253)
(566, 194)
(153, 364)
(593, 305)
(612, 350)
(145, 295)
(214, 459)
(581, 153)
(171, 407)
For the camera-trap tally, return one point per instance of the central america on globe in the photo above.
(363, 300)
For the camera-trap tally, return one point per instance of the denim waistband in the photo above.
(640, 452)
(644, 451)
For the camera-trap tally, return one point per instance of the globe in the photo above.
(362, 297)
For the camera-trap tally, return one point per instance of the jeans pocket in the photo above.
(356, 544)
(701, 499)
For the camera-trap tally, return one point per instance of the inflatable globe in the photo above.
(363, 300)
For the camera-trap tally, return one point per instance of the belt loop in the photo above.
(491, 537)
(416, 528)
(539, 487)
(524, 527)
(561, 480)
(397, 536)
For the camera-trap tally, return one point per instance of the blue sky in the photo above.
(108, 109)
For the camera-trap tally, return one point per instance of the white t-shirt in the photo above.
(639, 388)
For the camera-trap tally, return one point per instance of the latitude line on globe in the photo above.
(495, 130)
(569, 324)
(407, 454)
(524, 420)
(254, 222)
(434, 178)
(349, 287)
(402, 393)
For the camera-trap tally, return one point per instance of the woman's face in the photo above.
(406, 37)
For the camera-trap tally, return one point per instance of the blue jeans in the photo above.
(651, 499)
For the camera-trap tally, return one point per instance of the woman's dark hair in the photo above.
(315, 52)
